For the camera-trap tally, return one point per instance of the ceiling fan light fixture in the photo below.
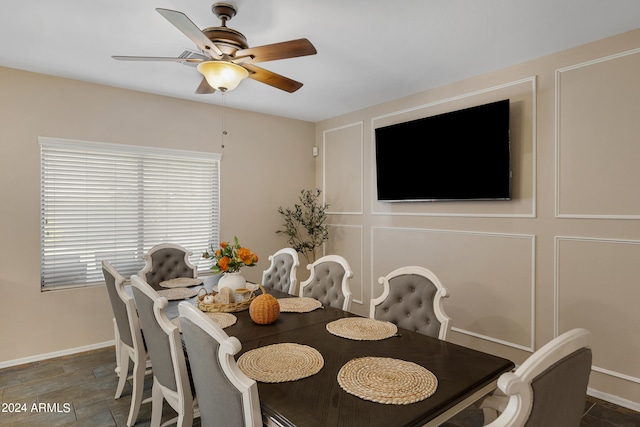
(222, 75)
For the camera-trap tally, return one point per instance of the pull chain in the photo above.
(224, 132)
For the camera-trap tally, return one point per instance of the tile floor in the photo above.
(77, 390)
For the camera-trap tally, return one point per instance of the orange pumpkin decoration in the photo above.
(264, 309)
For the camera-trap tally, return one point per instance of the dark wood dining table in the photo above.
(464, 375)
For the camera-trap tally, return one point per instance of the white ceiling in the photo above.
(369, 51)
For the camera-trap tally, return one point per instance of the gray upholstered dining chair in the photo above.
(167, 261)
(231, 397)
(170, 376)
(547, 390)
(412, 299)
(129, 341)
(281, 274)
(329, 282)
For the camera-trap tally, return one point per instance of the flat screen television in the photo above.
(461, 155)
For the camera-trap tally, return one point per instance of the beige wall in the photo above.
(266, 161)
(563, 253)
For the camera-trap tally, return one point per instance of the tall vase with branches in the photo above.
(304, 224)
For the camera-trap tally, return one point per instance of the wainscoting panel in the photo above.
(346, 240)
(597, 130)
(342, 169)
(491, 277)
(597, 289)
(522, 96)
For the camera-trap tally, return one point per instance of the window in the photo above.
(114, 202)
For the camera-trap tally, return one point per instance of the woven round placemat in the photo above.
(298, 304)
(178, 293)
(283, 362)
(224, 320)
(181, 282)
(386, 380)
(362, 328)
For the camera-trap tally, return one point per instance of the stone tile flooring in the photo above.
(78, 390)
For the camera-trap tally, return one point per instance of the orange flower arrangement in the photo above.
(230, 258)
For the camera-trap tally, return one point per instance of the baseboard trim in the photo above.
(45, 356)
(616, 400)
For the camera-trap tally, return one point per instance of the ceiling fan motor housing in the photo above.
(227, 39)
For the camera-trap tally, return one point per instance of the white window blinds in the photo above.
(114, 202)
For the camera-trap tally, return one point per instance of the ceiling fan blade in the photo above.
(272, 79)
(191, 30)
(204, 88)
(156, 58)
(193, 54)
(283, 50)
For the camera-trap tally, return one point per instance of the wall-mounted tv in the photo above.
(460, 155)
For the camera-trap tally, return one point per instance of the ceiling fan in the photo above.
(224, 57)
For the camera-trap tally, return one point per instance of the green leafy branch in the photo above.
(304, 225)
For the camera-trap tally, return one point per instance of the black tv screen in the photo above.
(461, 155)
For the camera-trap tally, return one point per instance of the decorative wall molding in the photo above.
(359, 124)
(558, 124)
(598, 60)
(358, 299)
(530, 346)
(531, 214)
(558, 240)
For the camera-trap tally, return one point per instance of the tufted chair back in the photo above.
(281, 274)
(412, 299)
(329, 282)
(166, 261)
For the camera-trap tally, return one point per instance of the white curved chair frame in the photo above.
(148, 258)
(124, 352)
(229, 346)
(348, 274)
(438, 306)
(515, 406)
(182, 401)
(293, 279)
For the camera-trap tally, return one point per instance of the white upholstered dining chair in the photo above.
(282, 273)
(170, 376)
(412, 299)
(329, 282)
(167, 261)
(231, 397)
(548, 389)
(129, 341)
